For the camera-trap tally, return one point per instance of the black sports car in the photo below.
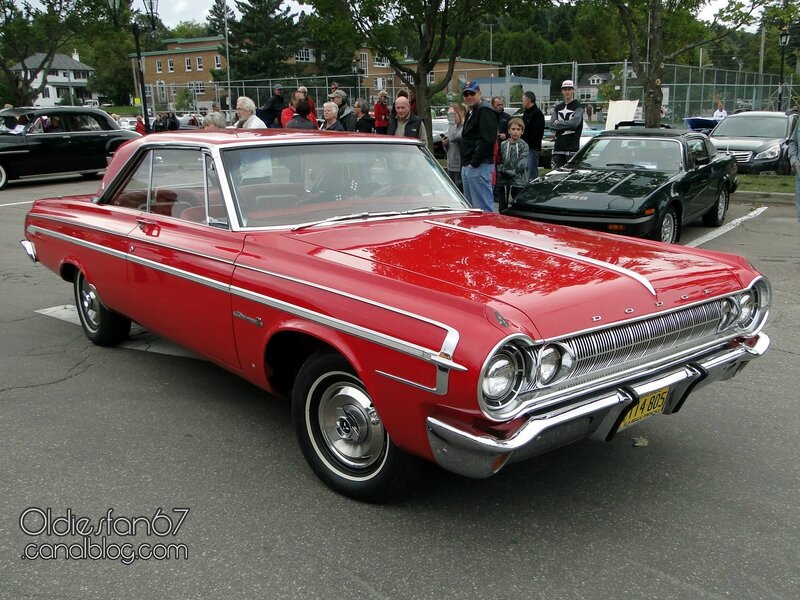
(57, 140)
(639, 182)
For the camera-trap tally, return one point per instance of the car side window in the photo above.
(84, 122)
(698, 151)
(134, 194)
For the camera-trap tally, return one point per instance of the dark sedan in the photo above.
(57, 140)
(758, 139)
(639, 182)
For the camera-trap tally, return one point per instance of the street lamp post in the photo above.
(783, 41)
(151, 7)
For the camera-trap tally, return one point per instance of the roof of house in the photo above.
(583, 80)
(60, 61)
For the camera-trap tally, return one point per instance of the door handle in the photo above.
(148, 227)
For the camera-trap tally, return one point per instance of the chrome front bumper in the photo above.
(30, 249)
(596, 416)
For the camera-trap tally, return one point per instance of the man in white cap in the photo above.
(567, 121)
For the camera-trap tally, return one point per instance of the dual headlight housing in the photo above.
(519, 366)
(769, 153)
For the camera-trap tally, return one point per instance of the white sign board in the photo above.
(620, 110)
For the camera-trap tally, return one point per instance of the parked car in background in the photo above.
(57, 140)
(639, 182)
(346, 273)
(758, 139)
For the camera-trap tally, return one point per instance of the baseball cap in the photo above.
(337, 94)
(278, 86)
(567, 84)
(472, 86)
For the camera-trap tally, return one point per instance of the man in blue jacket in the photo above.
(478, 140)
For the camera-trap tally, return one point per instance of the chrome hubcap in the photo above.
(90, 305)
(722, 204)
(668, 228)
(350, 427)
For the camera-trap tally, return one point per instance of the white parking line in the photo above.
(726, 228)
(17, 203)
(139, 339)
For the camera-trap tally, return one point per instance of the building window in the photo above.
(170, 65)
(431, 77)
(148, 90)
(52, 73)
(159, 66)
(187, 63)
(197, 87)
(217, 62)
(46, 92)
(595, 81)
(199, 63)
(364, 62)
(304, 55)
(585, 96)
(380, 83)
(377, 61)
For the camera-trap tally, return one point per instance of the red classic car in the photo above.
(347, 273)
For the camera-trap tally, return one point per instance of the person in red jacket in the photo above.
(288, 112)
(381, 113)
(140, 125)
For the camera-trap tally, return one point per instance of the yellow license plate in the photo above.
(648, 405)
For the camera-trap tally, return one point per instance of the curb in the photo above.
(763, 197)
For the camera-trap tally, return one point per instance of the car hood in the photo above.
(562, 279)
(747, 143)
(592, 190)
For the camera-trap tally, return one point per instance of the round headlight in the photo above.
(747, 308)
(728, 314)
(549, 364)
(499, 377)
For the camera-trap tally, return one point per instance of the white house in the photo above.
(67, 76)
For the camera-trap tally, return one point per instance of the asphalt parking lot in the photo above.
(700, 505)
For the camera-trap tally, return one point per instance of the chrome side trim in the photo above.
(451, 335)
(563, 253)
(73, 240)
(425, 354)
(193, 277)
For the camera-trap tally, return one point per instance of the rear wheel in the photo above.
(668, 229)
(102, 326)
(341, 434)
(3, 176)
(716, 216)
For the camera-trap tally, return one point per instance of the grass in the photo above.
(767, 183)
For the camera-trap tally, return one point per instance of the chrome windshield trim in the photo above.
(563, 253)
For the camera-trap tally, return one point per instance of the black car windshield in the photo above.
(309, 183)
(649, 154)
(757, 126)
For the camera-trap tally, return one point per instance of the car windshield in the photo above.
(651, 154)
(308, 184)
(752, 126)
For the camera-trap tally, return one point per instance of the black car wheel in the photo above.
(716, 216)
(342, 436)
(102, 326)
(668, 228)
(3, 177)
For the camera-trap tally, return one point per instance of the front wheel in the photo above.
(3, 176)
(716, 216)
(102, 326)
(341, 434)
(668, 227)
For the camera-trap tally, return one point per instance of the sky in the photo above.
(173, 12)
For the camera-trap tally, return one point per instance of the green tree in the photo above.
(215, 21)
(43, 29)
(183, 99)
(432, 31)
(262, 40)
(190, 29)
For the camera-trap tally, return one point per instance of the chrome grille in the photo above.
(619, 346)
(740, 155)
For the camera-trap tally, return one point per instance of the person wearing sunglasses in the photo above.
(478, 140)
